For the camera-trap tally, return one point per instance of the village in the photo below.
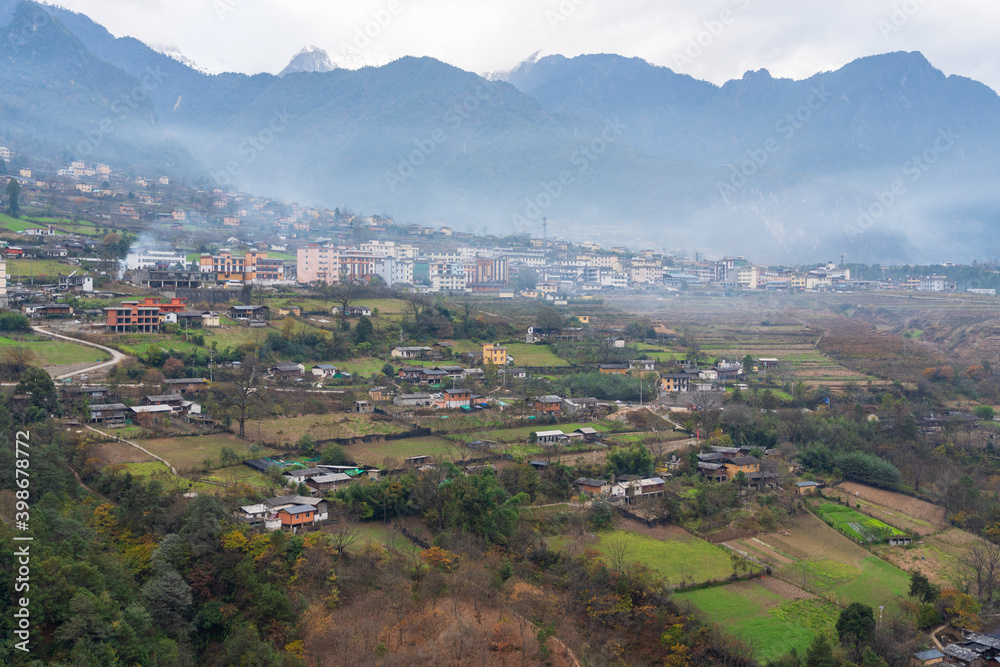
(332, 376)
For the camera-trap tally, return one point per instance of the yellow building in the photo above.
(744, 464)
(493, 354)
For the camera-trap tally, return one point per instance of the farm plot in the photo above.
(523, 433)
(938, 556)
(855, 525)
(376, 453)
(682, 559)
(322, 427)
(770, 615)
(824, 562)
(913, 514)
(534, 356)
(189, 453)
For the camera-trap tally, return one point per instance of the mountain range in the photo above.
(885, 159)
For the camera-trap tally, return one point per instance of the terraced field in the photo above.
(820, 560)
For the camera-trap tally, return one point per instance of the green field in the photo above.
(16, 225)
(766, 620)
(854, 524)
(369, 366)
(21, 270)
(683, 558)
(534, 356)
(879, 584)
(50, 352)
(381, 534)
(188, 453)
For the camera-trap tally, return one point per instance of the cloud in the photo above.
(788, 37)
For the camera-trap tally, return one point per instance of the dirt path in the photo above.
(139, 447)
(81, 483)
(116, 356)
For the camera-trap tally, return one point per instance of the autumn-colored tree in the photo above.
(962, 609)
(439, 559)
(173, 368)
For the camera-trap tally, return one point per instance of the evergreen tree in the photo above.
(13, 198)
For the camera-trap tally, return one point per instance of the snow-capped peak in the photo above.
(524, 65)
(315, 59)
(175, 54)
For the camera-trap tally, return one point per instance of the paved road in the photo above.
(116, 356)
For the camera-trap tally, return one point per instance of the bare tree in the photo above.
(344, 294)
(618, 552)
(344, 530)
(982, 567)
(240, 393)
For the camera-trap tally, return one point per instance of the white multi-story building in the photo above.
(646, 271)
(147, 259)
(4, 153)
(614, 279)
(380, 248)
(393, 271)
(447, 276)
(934, 284)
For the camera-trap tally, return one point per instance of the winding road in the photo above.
(116, 356)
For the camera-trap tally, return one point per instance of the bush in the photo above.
(11, 321)
(868, 469)
(334, 455)
(928, 617)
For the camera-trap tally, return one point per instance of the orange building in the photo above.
(494, 354)
(133, 316)
(176, 305)
(298, 515)
(250, 267)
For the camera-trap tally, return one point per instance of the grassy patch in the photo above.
(23, 269)
(879, 584)
(49, 352)
(534, 355)
(688, 559)
(773, 634)
(368, 366)
(187, 454)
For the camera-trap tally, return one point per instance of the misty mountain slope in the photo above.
(54, 92)
(611, 147)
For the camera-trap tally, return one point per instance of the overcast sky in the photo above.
(791, 38)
